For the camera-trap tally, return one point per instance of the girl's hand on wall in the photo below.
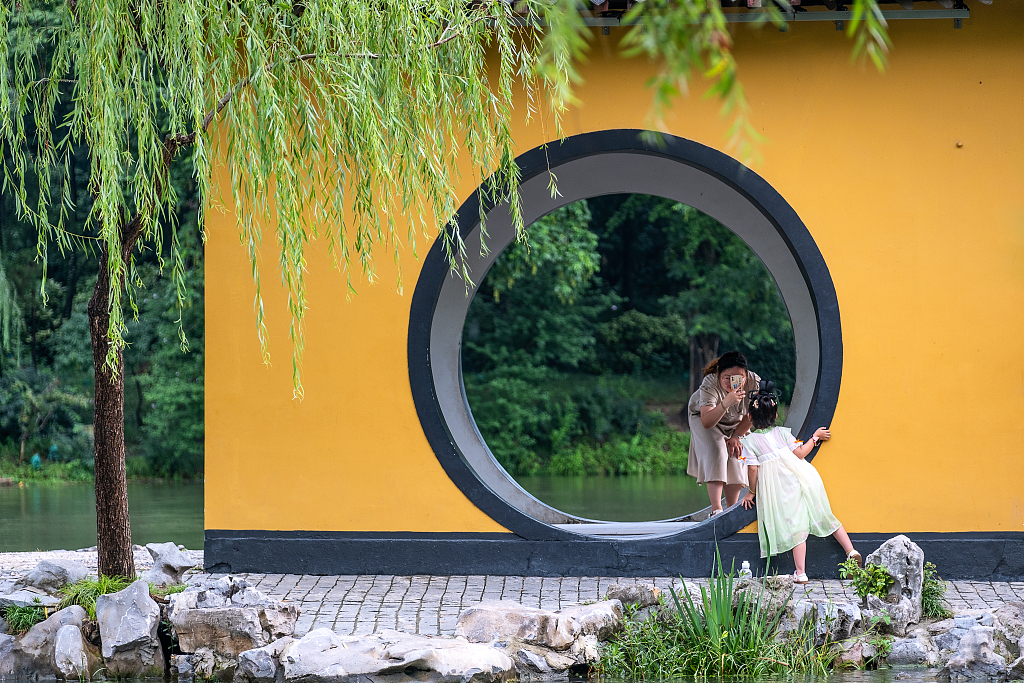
(748, 501)
(822, 434)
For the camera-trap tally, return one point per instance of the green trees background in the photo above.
(46, 365)
(581, 349)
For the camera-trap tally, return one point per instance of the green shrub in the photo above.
(85, 592)
(21, 619)
(871, 579)
(933, 594)
(713, 639)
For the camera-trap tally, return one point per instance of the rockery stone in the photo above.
(975, 657)
(169, 564)
(70, 658)
(602, 619)
(904, 560)
(497, 620)
(128, 622)
(639, 594)
(53, 574)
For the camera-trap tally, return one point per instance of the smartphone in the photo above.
(736, 381)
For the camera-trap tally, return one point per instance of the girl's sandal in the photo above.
(856, 558)
(800, 579)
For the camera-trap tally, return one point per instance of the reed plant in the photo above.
(715, 636)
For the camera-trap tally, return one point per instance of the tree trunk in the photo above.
(113, 530)
(703, 350)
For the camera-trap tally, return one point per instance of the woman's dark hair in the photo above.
(764, 406)
(729, 359)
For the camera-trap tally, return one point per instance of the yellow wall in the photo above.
(924, 240)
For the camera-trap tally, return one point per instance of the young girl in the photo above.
(790, 496)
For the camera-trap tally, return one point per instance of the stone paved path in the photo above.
(430, 605)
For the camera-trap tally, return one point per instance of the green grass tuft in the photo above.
(711, 638)
(933, 594)
(164, 591)
(85, 592)
(21, 619)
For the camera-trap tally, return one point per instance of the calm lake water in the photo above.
(620, 499)
(63, 516)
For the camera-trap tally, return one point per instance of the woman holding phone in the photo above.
(718, 416)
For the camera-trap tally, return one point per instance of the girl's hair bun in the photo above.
(764, 405)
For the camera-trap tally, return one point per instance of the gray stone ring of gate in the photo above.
(590, 165)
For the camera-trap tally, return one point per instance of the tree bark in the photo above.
(703, 350)
(113, 529)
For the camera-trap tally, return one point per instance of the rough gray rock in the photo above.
(26, 597)
(262, 664)
(229, 617)
(639, 594)
(128, 622)
(181, 667)
(585, 650)
(1015, 672)
(975, 657)
(965, 621)
(3, 625)
(70, 658)
(204, 664)
(904, 560)
(324, 657)
(850, 655)
(32, 654)
(226, 631)
(51, 575)
(498, 620)
(833, 621)
(169, 564)
(601, 619)
(773, 591)
(1009, 619)
(901, 614)
(7, 659)
(916, 651)
(950, 640)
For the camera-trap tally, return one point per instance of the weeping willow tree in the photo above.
(332, 118)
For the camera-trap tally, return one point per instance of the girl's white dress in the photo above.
(790, 496)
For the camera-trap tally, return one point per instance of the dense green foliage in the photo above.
(933, 594)
(712, 637)
(46, 374)
(871, 579)
(577, 347)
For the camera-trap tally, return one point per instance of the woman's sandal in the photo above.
(715, 512)
(856, 558)
(800, 579)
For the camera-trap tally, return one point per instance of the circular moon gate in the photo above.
(589, 165)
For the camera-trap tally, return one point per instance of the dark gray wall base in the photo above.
(989, 556)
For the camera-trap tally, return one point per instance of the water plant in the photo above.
(871, 579)
(21, 619)
(933, 594)
(723, 633)
(85, 592)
